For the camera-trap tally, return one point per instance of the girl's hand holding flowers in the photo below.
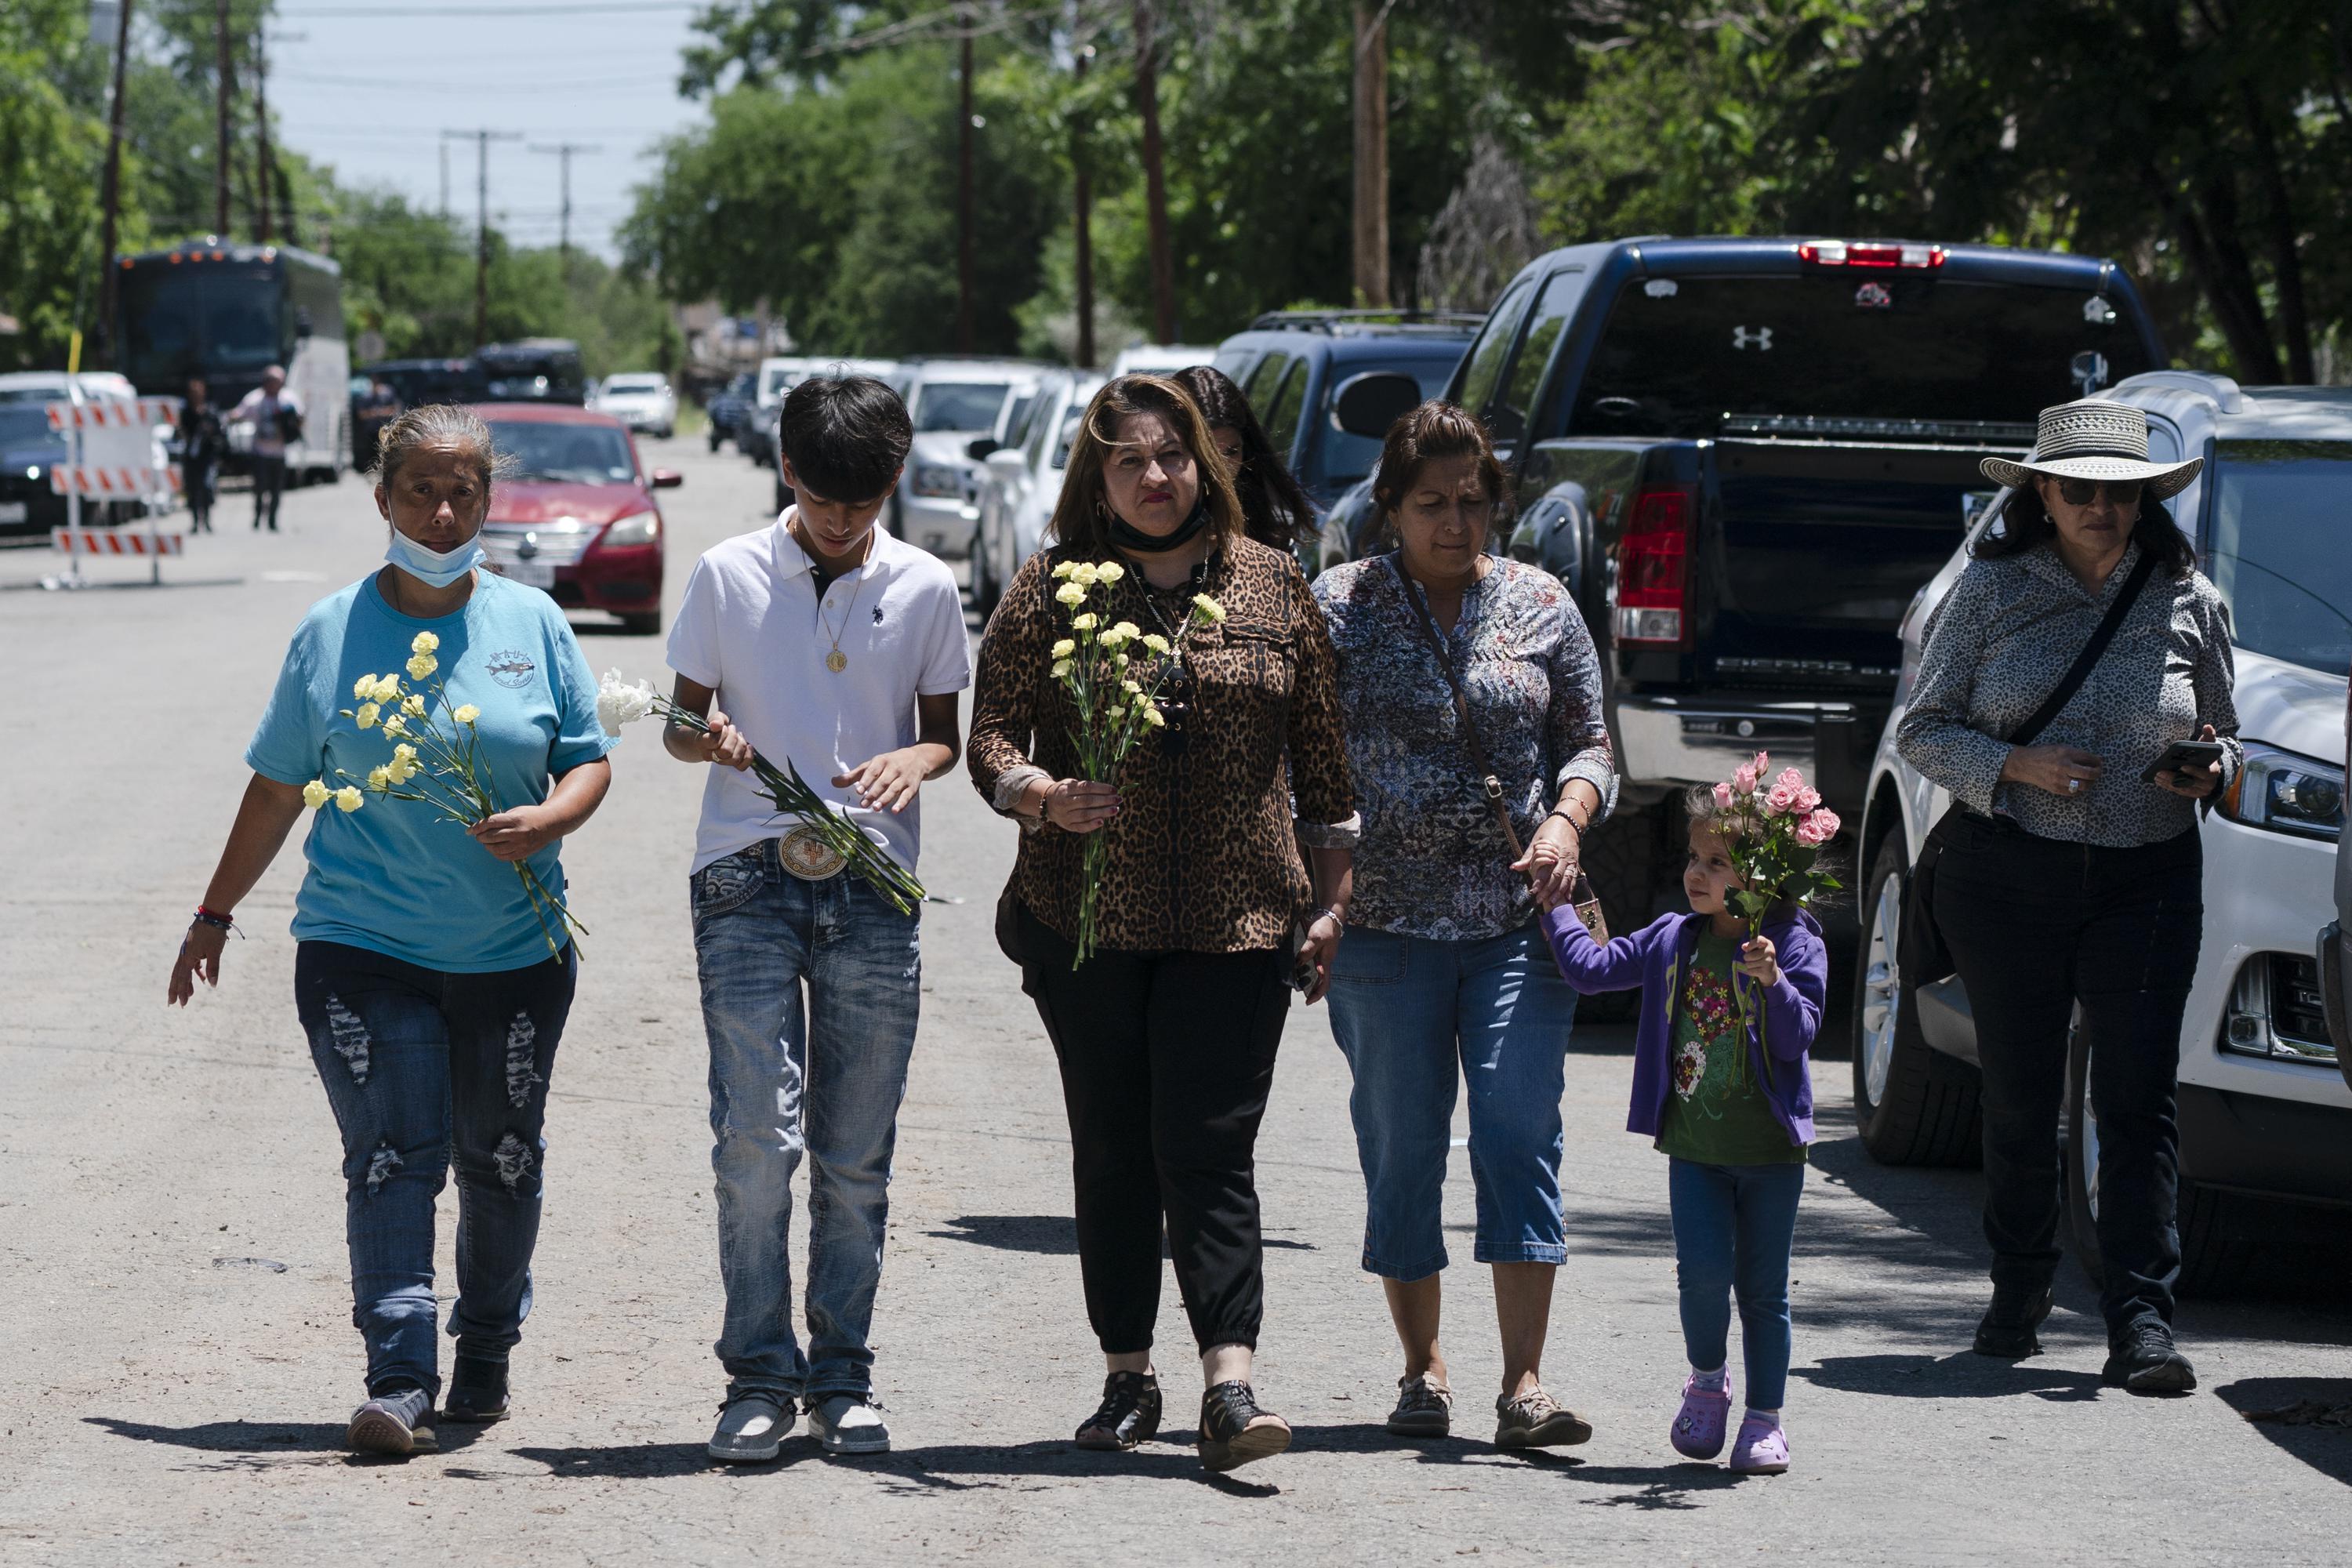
(516, 834)
(1078, 806)
(1761, 962)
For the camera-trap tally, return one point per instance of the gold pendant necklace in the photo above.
(836, 661)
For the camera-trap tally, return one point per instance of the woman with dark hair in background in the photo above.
(2071, 870)
(201, 441)
(1275, 511)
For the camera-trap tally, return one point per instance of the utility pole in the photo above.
(562, 150)
(111, 192)
(1082, 220)
(964, 325)
(482, 139)
(445, 179)
(267, 167)
(1155, 176)
(220, 156)
(1372, 214)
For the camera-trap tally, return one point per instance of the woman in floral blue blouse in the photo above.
(1444, 961)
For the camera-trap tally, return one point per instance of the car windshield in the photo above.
(2276, 549)
(959, 404)
(633, 383)
(546, 453)
(24, 425)
(1842, 353)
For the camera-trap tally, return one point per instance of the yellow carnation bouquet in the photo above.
(436, 759)
(1114, 674)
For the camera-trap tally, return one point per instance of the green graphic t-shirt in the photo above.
(1718, 1114)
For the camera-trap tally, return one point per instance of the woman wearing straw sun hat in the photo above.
(2075, 655)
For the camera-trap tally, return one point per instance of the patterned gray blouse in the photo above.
(1431, 862)
(1998, 646)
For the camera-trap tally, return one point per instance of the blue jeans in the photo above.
(1405, 1010)
(820, 1069)
(420, 1066)
(1734, 1226)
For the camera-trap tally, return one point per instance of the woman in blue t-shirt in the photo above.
(431, 983)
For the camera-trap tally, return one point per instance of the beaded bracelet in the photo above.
(215, 919)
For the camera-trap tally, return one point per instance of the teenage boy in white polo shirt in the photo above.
(823, 640)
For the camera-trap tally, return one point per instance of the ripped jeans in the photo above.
(420, 1066)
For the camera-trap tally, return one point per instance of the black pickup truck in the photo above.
(1744, 456)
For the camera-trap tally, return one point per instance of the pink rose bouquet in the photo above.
(1775, 831)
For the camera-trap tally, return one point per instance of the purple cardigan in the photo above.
(1654, 957)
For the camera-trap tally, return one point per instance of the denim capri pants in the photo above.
(1415, 1016)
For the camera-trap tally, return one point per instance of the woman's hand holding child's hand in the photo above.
(1760, 961)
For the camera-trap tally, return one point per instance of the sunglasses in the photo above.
(2083, 492)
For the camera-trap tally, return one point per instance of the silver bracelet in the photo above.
(1338, 918)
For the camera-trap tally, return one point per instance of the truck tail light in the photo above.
(1653, 571)
(1869, 253)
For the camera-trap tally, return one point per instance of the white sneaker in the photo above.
(752, 1430)
(846, 1423)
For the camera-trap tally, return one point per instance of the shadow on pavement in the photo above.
(958, 1467)
(267, 1445)
(1650, 1486)
(1051, 1236)
(1961, 1376)
(2312, 1417)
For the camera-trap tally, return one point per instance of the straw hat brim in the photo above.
(2163, 479)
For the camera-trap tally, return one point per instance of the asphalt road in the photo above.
(178, 1363)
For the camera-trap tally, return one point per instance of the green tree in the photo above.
(52, 141)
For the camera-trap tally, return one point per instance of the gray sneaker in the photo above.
(751, 1428)
(844, 1424)
(1422, 1409)
(1536, 1420)
(397, 1423)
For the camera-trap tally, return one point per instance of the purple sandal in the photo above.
(1699, 1423)
(1762, 1448)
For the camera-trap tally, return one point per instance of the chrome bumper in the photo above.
(1698, 741)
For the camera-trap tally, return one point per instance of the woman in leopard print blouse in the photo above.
(1166, 1036)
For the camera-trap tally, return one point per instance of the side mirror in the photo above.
(1367, 404)
(667, 478)
(979, 447)
(1006, 460)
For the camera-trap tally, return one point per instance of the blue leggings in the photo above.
(1733, 1228)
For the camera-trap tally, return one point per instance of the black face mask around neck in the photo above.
(1127, 536)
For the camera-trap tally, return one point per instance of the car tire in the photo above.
(1913, 1105)
(2220, 1231)
(985, 589)
(646, 625)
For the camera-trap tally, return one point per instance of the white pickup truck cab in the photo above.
(2265, 1096)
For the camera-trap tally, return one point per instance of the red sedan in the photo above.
(576, 516)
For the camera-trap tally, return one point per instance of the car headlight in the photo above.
(637, 528)
(938, 480)
(2286, 794)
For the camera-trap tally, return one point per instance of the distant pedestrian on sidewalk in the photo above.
(2071, 872)
(276, 418)
(1444, 975)
(421, 970)
(1166, 1036)
(1275, 511)
(200, 453)
(1731, 1106)
(824, 641)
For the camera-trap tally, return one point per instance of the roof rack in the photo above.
(1339, 320)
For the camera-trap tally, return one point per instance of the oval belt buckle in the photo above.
(807, 856)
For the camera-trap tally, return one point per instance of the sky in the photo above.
(369, 87)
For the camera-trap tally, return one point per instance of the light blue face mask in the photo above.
(432, 567)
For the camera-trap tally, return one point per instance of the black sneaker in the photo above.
(2144, 1359)
(2007, 1328)
(477, 1394)
(398, 1422)
(1129, 1413)
(1228, 1441)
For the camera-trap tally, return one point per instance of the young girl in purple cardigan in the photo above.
(1732, 1110)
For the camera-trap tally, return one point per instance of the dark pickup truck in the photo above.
(1744, 456)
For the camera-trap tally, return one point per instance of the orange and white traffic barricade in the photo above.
(114, 542)
(113, 458)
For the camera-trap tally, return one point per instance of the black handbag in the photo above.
(1921, 957)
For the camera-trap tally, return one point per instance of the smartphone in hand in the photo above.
(2181, 756)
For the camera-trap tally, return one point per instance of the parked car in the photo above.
(29, 450)
(778, 376)
(951, 401)
(533, 370)
(1292, 365)
(577, 517)
(1744, 456)
(375, 404)
(643, 400)
(726, 409)
(1160, 358)
(1021, 482)
(2265, 1110)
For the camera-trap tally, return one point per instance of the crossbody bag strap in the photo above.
(2080, 670)
(1490, 783)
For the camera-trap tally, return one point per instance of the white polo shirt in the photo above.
(752, 629)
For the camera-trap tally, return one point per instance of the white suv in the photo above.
(2263, 1111)
(951, 401)
(642, 400)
